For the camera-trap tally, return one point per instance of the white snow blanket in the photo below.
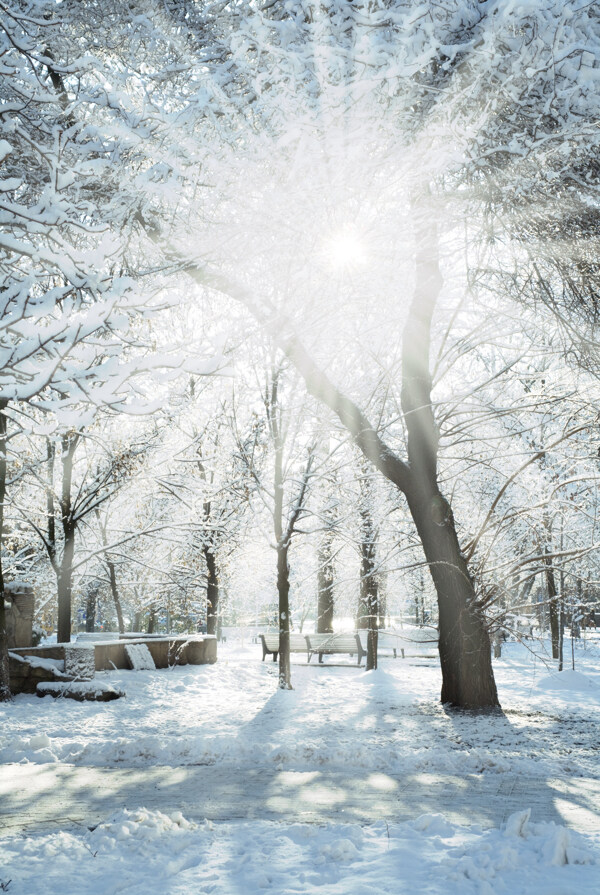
(142, 851)
(139, 657)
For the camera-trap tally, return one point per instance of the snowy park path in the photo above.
(46, 797)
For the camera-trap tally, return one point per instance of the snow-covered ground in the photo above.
(338, 716)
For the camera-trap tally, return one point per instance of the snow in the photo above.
(56, 665)
(145, 851)
(139, 657)
(388, 720)
(79, 690)
(569, 680)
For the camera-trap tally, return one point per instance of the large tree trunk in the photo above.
(5, 694)
(464, 644)
(283, 591)
(212, 589)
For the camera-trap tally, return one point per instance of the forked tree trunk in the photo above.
(212, 589)
(5, 694)
(464, 645)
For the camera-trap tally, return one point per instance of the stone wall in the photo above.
(24, 676)
(166, 651)
(19, 604)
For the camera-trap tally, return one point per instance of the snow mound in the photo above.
(567, 680)
(82, 691)
(151, 852)
(140, 826)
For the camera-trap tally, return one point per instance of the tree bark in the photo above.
(69, 526)
(64, 583)
(325, 583)
(553, 604)
(112, 575)
(464, 643)
(212, 589)
(90, 611)
(283, 592)
(5, 694)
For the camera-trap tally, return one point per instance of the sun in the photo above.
(345, 249)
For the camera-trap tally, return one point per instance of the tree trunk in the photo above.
(553, 605)
(367, 617)
(90, 611)
(151, 620)
(212, 589)
(368, 610)
(65, 586)
(283, 591)
(325, 581)
(5, 694)
(65, 569)
(112, 574)
(464, 643)
(115, 594)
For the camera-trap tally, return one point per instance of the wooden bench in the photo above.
(386, 640)
(270, 644)
(410, 641)
(331, 644)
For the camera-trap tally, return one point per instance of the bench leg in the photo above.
(321, 658)
(274, 657)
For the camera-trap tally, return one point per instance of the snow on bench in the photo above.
(323, 644)
(414, 641)
(139, 657)
(335, 644)
(270, 644)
